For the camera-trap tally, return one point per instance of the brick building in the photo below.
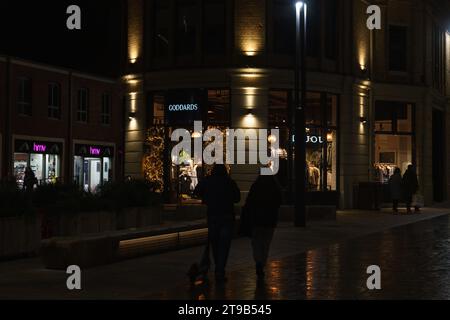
(376, 99)
(65, 125)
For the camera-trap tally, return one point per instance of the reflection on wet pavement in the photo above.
(414, 261)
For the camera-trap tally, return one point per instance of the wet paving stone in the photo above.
(414, 262)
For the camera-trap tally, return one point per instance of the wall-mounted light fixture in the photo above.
(249, 112)
(363, 120)
(131, 115)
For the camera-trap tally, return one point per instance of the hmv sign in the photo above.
(44, 147)
(93, 151)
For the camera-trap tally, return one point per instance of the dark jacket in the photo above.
(263, 202)
(410, 182)
(219, 193)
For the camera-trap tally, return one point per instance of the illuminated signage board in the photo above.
(183, 107)
(94, 151)
(30, 146)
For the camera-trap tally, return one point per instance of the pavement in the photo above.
(304, 263)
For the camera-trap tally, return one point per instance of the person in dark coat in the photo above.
(410, 186)
(29, 179)
(263, 202)
(219, 192)
(395, 185)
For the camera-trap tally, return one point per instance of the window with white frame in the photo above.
(54, 100)
(83, 105)
(105, 116)
(24, 96)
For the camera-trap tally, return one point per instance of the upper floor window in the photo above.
(313, 28)
(283, 27)
(331, 29)
(105, 116)
(161, 27)
(438, 54)
(214, 28)
(186, 27)
(24, 96)
(83, 105)
(397, 48)
(54, 100)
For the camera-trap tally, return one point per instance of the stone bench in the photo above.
(93, 250)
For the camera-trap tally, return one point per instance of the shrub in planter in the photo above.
(19, 232)
(126, 198)
(14, 202)
(128, 194)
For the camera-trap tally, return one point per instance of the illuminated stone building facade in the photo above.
(376, 99)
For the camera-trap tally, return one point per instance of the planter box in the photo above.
(19, 236)
(84, 251)
(149, 216)
(138, 217)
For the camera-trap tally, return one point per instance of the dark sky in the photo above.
(37, 30)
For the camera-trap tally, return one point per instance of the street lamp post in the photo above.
(299, 112)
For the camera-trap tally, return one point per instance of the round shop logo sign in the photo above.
(183, 107)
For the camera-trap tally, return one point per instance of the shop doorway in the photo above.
(90, 173)
(93, 173)
(438, 155)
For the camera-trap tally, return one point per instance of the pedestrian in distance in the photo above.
(262, 205)
(395, 186)
(29, 179)
(410, 187)
(219, 192)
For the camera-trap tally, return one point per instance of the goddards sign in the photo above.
(184, 106)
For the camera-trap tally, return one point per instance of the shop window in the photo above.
(52, 168)
(393, 138)
(24, 96)
(105, 115)
(218, 107)
(83, 107)
(283, 27)
(54, 101)
(214, 29)
(278, 119)
(393, 117)
(321, 157)
(321, 117)
(186, 27)
(161, 27)
(158, 109)
(397, 48)
(20, 164)
(313, 110)
(391, 151)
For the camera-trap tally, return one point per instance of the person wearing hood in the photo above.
(219, 192)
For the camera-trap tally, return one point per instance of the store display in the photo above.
(383, 171)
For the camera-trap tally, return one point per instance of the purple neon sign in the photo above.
(94, 151)
(39, 147)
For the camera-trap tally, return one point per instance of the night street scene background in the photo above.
(350, 99)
